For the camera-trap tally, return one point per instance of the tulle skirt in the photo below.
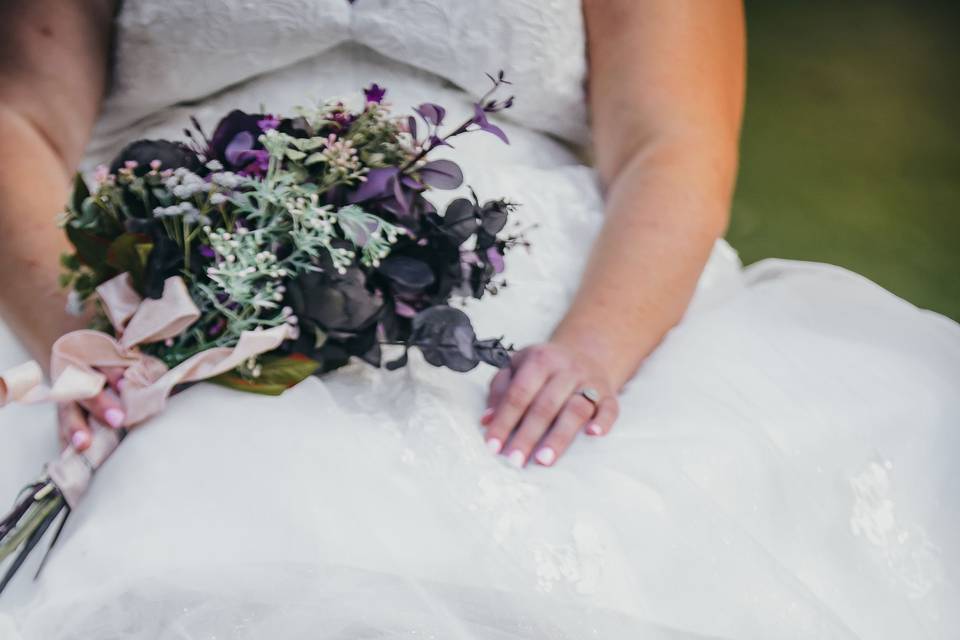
(783, 467)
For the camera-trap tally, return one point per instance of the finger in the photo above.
(576, 413)
(524, 386)
(543, 411)
(114, 377)
(607, 411)
(106, 408)
(74, 430)
(498, 388)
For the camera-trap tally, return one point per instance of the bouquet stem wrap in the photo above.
(77, 358)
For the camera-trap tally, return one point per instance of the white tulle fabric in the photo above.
(784, 465)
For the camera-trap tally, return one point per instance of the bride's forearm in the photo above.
(33, 188)
(53, 63)
(665, 209)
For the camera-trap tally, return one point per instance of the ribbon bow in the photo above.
(77, 357)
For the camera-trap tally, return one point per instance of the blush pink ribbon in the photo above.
(78, 357)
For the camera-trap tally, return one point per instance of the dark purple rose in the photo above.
(335, 302)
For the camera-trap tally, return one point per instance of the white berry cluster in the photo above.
(250, 276)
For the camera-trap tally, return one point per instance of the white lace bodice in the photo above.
(175, 51)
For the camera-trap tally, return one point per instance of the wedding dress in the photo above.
(784, 465)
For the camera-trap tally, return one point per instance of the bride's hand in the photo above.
(535, 405)
(74, 416)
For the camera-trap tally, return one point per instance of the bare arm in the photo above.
(666, 92)
(53, 72)
(53, 68)
(666, 97)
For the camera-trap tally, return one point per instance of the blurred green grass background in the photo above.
(851, 142)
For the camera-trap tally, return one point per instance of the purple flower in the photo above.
(217, 327)
(480, 119)
(343, 119)
(432, 113)
(206, 251)
(269, 122)
(374, 93)
(496, 259)
(235, 143)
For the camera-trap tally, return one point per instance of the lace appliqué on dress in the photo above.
(913, 560)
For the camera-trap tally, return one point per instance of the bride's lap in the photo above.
(764, 460)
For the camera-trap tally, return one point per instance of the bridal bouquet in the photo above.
(274, 249)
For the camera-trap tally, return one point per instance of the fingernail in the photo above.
(594, 429)
(494, 445)
(516, 458)
(546, 456)
(120, 384)
(114, 417)
(80, 440)
(486, 415)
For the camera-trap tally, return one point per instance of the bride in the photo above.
(683, 449)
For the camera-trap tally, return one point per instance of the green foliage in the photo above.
(129, 252)
(276, 374)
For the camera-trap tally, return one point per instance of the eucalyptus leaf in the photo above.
(446, 338)
(460, 220)
(441, 174)
(409, 274)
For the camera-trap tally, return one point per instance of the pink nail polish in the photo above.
(546, 456)
(121, 383)
(516, 458)
(114, 417)
(80, 439)
(486, 415)
(494, 445)
(594, 429)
